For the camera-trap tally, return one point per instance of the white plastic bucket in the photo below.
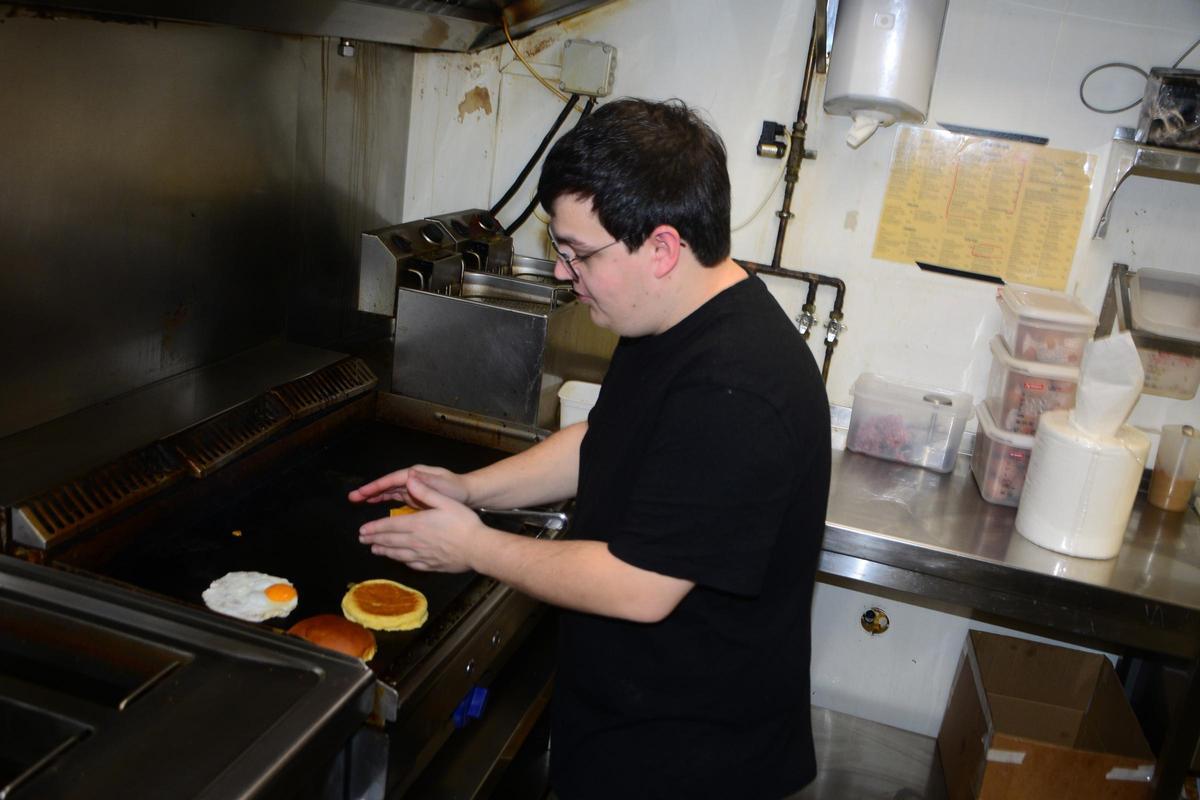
(575, 400)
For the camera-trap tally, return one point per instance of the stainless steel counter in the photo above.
(933, 537)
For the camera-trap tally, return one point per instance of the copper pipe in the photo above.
(796, 150)
(814, 280)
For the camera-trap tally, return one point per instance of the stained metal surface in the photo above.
(176, 194)
(458, 25)
(36, 460)
(501, 347)
(934, 535)
(78, 505)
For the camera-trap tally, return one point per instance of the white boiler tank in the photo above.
(882, 63)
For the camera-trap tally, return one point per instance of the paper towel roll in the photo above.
(1079, 488)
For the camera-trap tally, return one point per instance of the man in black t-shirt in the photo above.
(700, 479)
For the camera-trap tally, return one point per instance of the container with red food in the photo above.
(1045, 326)
(999, 460)
(905, 422)
(1020, 391)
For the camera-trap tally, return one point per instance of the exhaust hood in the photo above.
(456, 25)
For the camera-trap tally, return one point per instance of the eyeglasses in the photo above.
(569, 261)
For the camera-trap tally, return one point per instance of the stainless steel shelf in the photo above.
(1133, 158)
(932, 537)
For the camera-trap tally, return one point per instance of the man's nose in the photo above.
(560, 270)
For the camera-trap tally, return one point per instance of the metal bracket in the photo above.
(1132, 158)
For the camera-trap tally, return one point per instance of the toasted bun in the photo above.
(335, 633)
(385, 605)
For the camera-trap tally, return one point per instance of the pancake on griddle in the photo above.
(384, 605)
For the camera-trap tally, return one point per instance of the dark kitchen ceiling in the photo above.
(457, 25)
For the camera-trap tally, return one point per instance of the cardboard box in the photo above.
(1027, 720)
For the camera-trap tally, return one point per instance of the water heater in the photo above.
(882, 62)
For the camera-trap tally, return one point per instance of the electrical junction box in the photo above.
(587, 67)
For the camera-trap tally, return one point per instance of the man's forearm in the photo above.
(545, 473)
(579, 575)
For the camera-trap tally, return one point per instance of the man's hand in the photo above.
(394, 486)
(439, 538)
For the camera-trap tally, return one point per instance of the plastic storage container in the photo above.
(908, 423)
(1044, 326)
(1020, 391)
(575, 400)
(1000, 460)
(1167, 305)
(1176, 468)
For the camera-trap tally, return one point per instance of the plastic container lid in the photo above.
(890, 390)
(1059, 372)
(1043, 304)
(1165, 303)
(989, 428)
(580, 392)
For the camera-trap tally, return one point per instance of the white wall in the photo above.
(1004, 65)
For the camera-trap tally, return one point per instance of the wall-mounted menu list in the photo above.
(991, 206)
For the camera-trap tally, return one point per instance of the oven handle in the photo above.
(489, 426)
(548, 520)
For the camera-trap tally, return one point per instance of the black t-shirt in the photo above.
(706, 458)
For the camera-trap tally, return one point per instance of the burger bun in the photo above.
(336, 633)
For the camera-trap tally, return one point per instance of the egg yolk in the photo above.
(280, 592)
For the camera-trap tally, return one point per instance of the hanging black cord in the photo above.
(1131, 67)
(562, 117)
(587, 109)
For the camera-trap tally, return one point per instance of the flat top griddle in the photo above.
(296, 523)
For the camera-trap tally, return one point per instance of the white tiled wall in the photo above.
(1005, 65)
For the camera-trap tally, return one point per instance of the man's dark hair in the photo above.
(645, 164)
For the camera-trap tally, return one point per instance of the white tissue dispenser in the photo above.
(883, 61)
(1080, 487)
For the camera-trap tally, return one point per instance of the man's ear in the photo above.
(666, 245)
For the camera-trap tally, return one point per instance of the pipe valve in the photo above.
(834, 328)
(806, 320)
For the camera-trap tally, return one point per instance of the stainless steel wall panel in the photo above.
(174, 194)
(351, 147)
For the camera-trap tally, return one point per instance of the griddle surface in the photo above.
(297, 524)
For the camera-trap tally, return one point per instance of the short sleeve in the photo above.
(713, 490)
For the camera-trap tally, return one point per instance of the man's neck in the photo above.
(700, 286)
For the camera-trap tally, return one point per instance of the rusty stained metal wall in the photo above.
(174, 194)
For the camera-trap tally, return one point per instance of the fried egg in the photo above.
(252, 596)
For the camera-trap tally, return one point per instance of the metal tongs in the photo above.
(549, 520)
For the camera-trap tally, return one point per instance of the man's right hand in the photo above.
(393, 487)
